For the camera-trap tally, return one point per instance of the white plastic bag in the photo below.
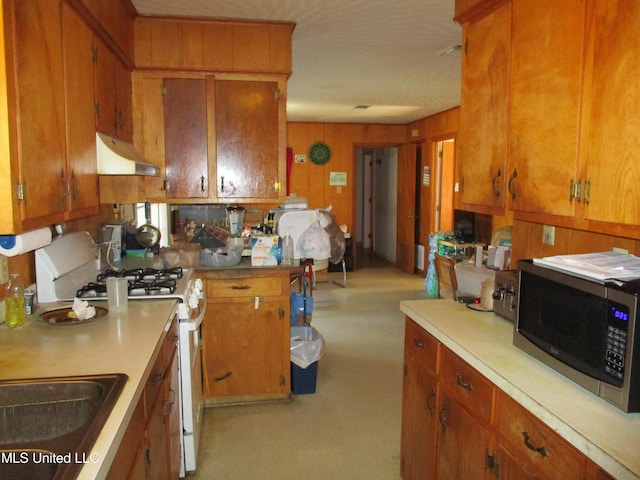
(314, 243)
(307, 346)
(221, 257)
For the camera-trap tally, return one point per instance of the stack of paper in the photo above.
(599, 266)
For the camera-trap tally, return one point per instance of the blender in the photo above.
(235, 220)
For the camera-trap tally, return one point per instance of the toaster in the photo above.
(505, 294)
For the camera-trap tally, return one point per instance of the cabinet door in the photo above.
(417, 448)
(462, 443)
(185, 130)
(106, 82)
(158, 467)
(246, 125)
(39, 78)
(545, 104)
(80, 116)
(172, 418)
(612, 140)
(484, 112)
(243, 349)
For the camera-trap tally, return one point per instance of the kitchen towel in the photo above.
(12, 245)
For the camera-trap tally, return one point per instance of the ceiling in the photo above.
(385, 54)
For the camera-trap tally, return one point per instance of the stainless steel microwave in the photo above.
(586, 330)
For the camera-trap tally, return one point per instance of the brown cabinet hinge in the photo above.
(282, 380)
(281, 312)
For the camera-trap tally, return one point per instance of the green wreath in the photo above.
(320, 153)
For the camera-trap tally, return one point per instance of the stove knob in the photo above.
(193, 301)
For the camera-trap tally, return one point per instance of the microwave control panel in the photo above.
(616, 342)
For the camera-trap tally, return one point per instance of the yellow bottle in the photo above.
(14, 302)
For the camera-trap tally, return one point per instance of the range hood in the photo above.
(117, 157)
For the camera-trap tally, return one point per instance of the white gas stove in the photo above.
(70, 267)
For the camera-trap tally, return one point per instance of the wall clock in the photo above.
(319, 153)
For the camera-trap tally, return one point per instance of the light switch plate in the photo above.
(549, 235)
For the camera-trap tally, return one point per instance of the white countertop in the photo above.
(116, 343)
(599, 430)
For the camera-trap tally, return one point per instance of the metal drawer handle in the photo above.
(223, 377)
(418, 343)
(532, 447)
(462, 383)
(240, 287)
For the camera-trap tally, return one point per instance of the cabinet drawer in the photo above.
(420, 345)
(532, 441)
(244, 287)
(466, 385)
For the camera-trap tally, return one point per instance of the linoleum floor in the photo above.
(348, 429)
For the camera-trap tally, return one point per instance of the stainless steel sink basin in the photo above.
(48, 425)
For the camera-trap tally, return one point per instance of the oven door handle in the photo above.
(195, 322)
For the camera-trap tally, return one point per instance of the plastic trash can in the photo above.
(307, 347)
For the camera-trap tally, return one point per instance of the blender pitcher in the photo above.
(235, 219)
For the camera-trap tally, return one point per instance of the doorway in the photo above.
(434, 175)
(376, 200)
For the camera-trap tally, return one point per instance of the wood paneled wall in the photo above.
(312, 181)
(527, 242)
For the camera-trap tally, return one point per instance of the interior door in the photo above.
(406, 210)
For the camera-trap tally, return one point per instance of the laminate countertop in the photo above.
(116, 343)
(599, 430)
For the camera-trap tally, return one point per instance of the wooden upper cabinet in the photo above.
(213, 45)
(185, 127)
(112, 93)
(246, 130)
(114, 21)
(546, 72)
(611, 140)
(39, 111)
(484, 111)
(80, 117)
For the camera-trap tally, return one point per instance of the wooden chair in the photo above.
(446, 276)
(446, 273)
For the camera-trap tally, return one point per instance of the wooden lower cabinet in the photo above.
(246, 335)
(462, 442)
(477, 430)
(419, 389)
(150, 449)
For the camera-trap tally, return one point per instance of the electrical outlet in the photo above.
(549, 235)
(4, 269)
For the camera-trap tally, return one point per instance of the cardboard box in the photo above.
(499, 257)
(265, 250)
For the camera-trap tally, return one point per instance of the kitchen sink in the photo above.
(48, 425)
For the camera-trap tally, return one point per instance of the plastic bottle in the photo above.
(287, 249)
(14, 302)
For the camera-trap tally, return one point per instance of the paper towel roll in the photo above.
(12, 245)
